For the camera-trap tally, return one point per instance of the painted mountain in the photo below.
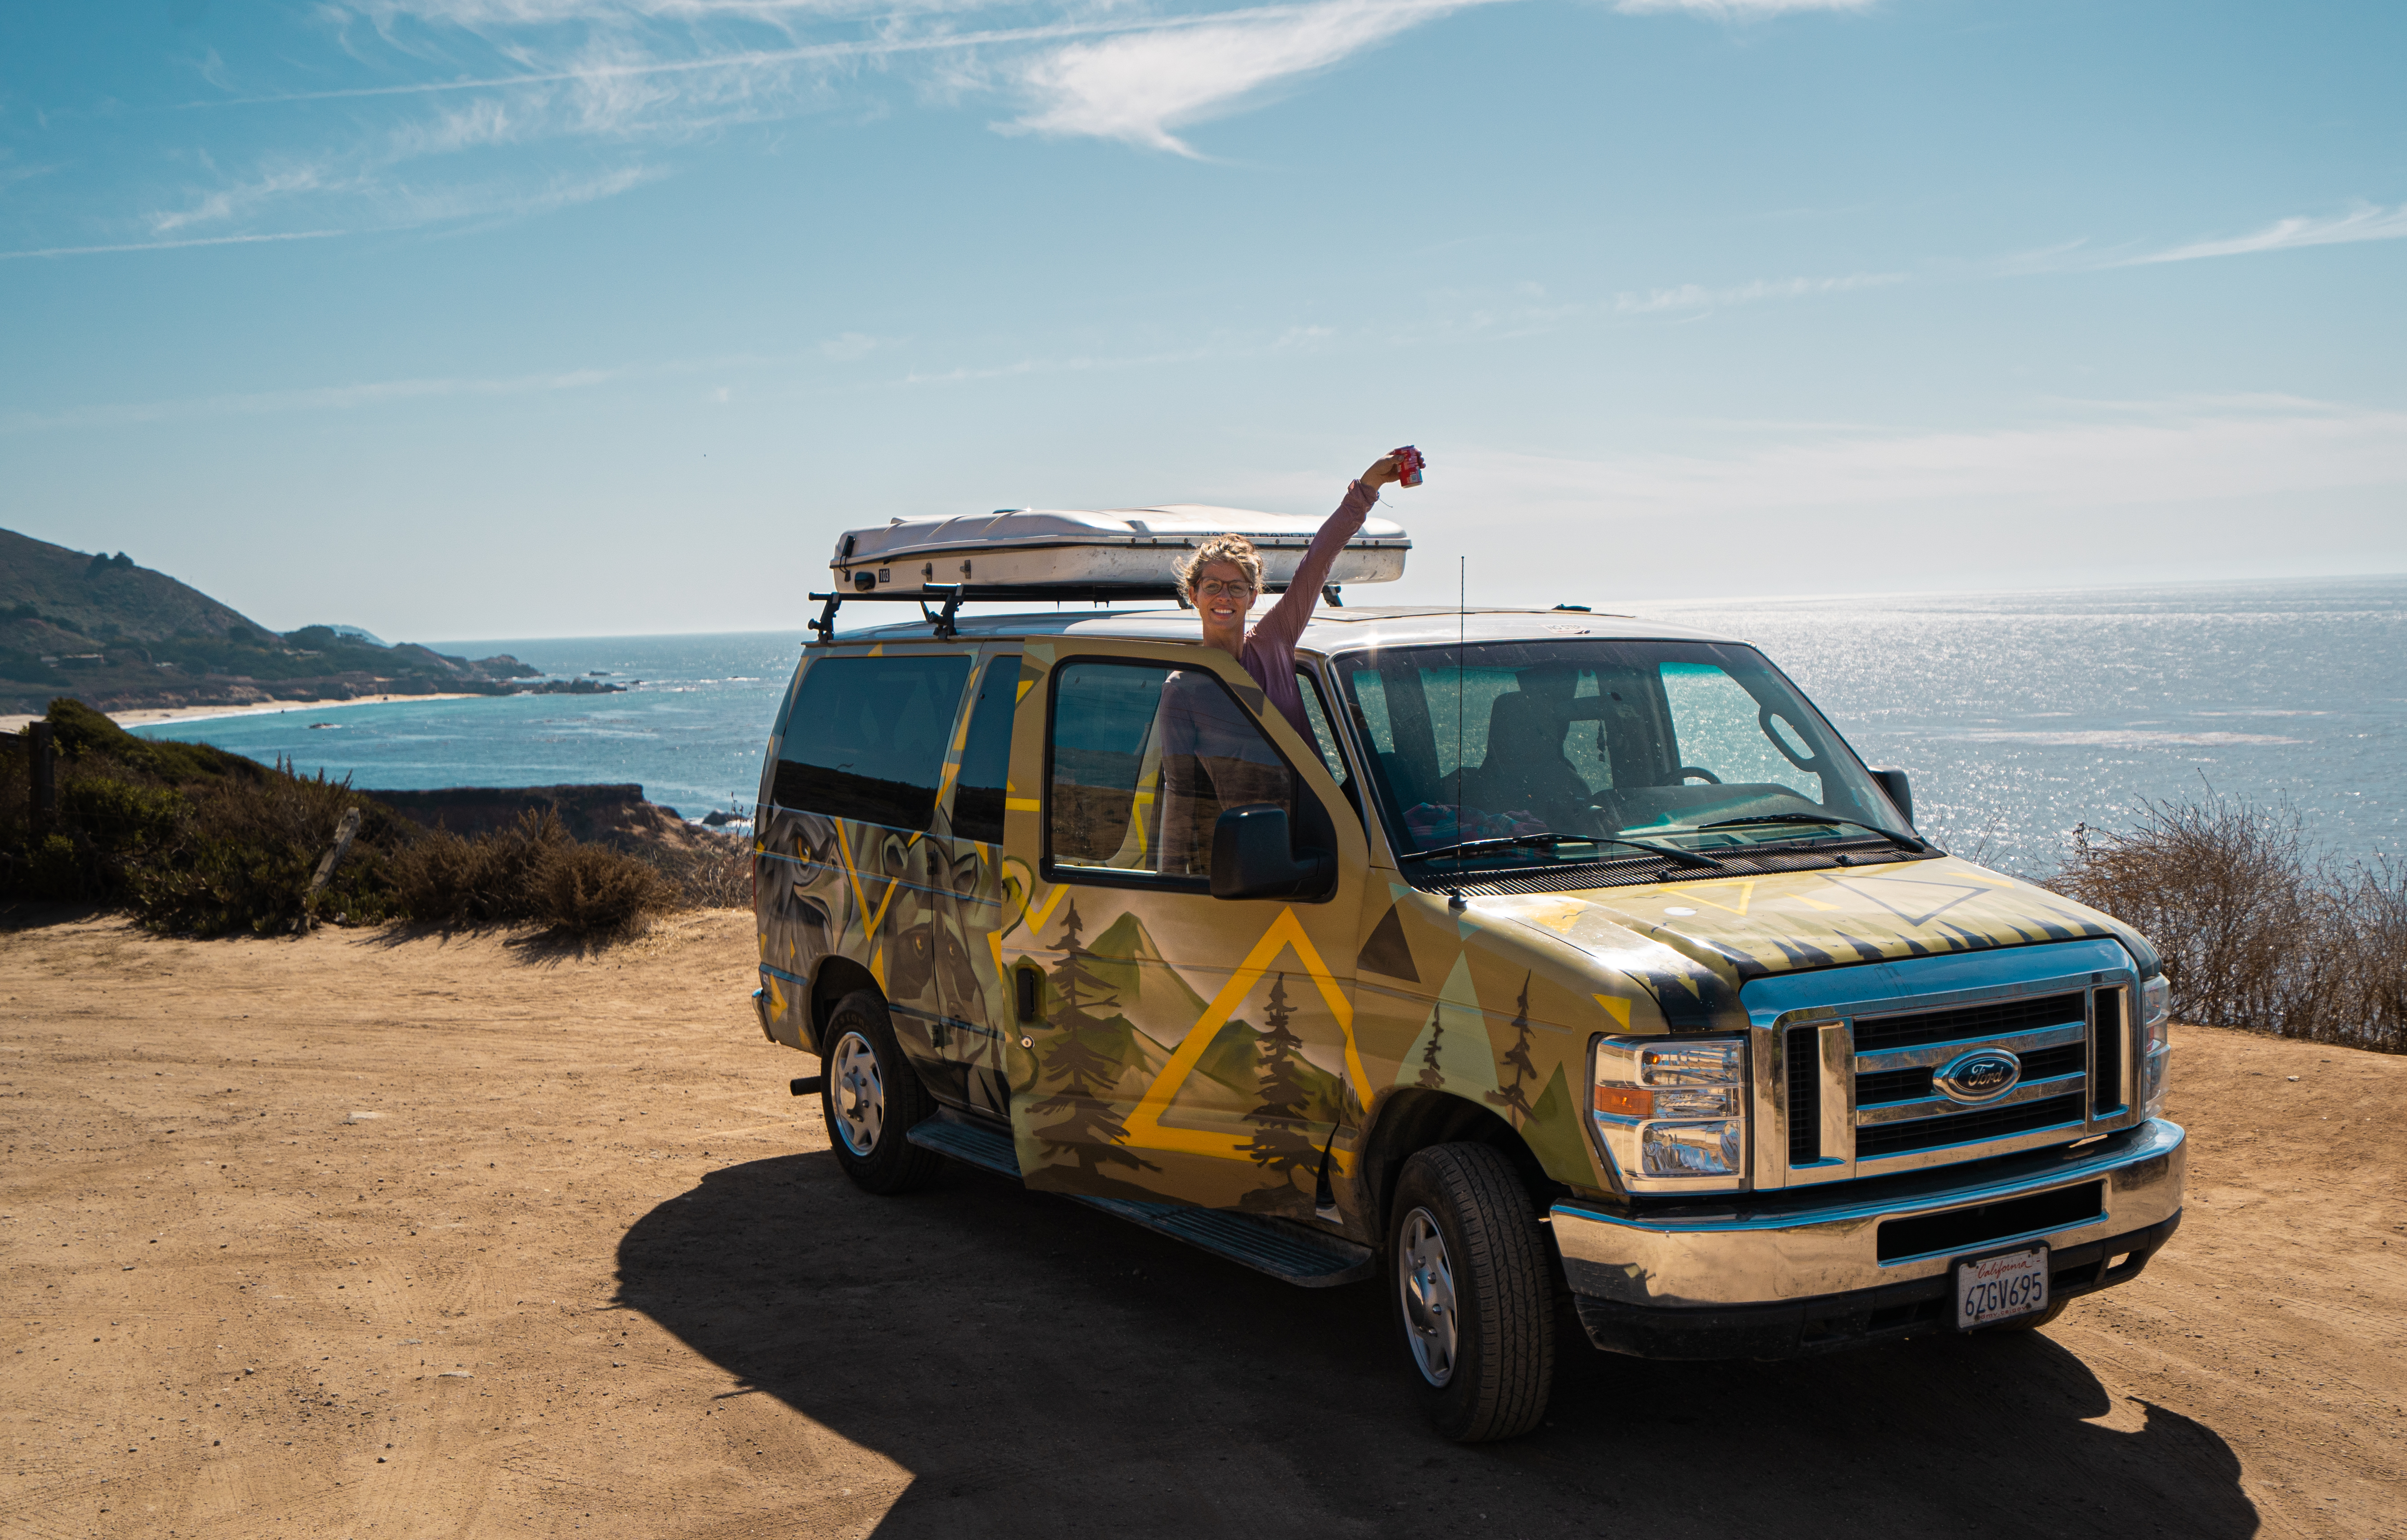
(1160, 1007)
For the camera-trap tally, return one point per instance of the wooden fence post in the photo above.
(343, 835)
(44, 768)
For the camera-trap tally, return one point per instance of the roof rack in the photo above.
(954, 595)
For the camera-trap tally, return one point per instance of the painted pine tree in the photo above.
(1516, 1095)
(1081, 1074)
(1430, 1075)
(1280, 1141)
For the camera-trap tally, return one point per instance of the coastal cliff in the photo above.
(123, 637)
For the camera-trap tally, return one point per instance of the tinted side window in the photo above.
(1106, 765)
(1144, 761)
(985, 758)
(866, 738)
(1317, 713)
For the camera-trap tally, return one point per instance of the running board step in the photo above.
(1287, 1252)
(973, 1143)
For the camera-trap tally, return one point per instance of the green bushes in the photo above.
(79, 731)
(242, 857)
(193, 840)
(186, 837)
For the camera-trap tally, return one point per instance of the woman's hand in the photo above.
(1383, 470)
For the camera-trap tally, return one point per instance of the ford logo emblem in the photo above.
(1982, 1075)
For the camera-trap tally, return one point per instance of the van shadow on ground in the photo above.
(1047, 1372)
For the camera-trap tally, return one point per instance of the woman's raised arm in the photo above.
(1288, 617)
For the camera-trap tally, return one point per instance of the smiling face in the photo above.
(1222, 593)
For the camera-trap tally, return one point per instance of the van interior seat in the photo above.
(1525, 767)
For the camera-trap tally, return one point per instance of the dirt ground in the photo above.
(368, 1235)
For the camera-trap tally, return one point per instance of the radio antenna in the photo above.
(1461, 608)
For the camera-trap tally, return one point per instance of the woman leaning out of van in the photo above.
(1211, 761)
(1224, 576)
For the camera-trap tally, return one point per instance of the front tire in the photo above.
(1474, 1297)
(871, 1097)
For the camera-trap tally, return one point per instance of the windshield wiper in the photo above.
(1547, 842)
(1907, 841)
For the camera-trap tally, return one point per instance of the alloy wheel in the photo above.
(1426, 1275)
(860, 1094)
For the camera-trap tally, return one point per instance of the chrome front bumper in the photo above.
(1812, 1243)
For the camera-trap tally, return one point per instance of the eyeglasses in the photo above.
(1212, 588)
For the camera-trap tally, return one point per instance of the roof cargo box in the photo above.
(1030, 552)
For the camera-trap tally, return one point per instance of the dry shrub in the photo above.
(715, 874)
(2256, 931)
(592, 888)
(447, 880)
(533, 871)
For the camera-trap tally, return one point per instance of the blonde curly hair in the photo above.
(1235, 549)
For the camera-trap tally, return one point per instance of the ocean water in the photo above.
(2018, 715)
(691, 732)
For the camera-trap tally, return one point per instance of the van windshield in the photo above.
(1699, 746)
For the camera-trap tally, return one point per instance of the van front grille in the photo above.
(2106, 1035)
(1883, 1086)
(1966, 1127)
(1804, 1059)
(2031, 1070)
(2000, 1019)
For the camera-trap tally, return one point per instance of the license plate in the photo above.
(1996, 1289)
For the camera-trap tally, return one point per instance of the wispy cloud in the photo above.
(1295, 339)
(12, 171)
(850, 348)
(1698, 298)
(320, 398)
(241, 198)
(2365, 223)
(170, 245)
(1735, 10)
(1138, 87)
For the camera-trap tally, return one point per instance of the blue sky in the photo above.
(472, 318)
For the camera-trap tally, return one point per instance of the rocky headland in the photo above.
(123, 637)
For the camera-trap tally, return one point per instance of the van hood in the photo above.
(1734, 929)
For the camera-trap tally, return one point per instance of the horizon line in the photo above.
(1008, 606)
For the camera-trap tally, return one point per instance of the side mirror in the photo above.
(1893, 783)
(1253, 857)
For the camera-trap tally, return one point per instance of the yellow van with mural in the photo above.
(1569, 956)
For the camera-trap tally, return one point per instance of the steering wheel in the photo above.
(1705, 776)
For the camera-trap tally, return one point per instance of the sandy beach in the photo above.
(380, 1233)
(205, 713)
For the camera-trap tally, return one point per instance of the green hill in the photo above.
(121, 636)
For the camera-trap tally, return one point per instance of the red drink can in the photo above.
(1409, 461)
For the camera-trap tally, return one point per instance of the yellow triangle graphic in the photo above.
(1286, 934)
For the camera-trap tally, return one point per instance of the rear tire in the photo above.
(1472, 1295)
(871, 1097)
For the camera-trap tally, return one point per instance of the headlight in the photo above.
(1673, 1109)
(2156, 1044)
